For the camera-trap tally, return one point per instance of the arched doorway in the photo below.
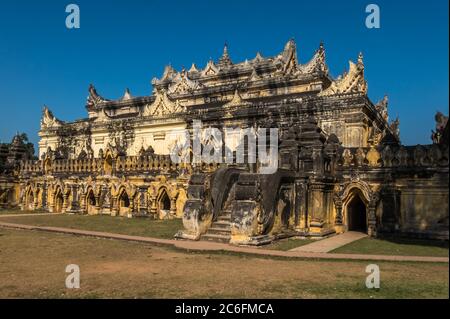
(91, 203)
(356, 214)
(59, 202)
(124, 203)
(163, 204)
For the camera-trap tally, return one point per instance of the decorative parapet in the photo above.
(395, 156)
(104, 166)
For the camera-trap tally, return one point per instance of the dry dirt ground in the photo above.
(32, 264)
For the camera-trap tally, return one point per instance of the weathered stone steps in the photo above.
(220, 230)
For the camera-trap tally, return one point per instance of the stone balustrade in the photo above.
(395, 156)
(160, 163)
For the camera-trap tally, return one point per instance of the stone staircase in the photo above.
(220, 230)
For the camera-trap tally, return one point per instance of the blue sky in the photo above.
(126, 43)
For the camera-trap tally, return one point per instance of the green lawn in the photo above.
(395, 246)
(120, 225)
(288, 244)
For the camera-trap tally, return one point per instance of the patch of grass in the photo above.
(32, 265)
(395, 246)
(288, 244)
(120, 225)
(4, 211)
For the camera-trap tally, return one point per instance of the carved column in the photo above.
(36, 199)
(97, 201)
(153, 207)
(301, 206)
(372, 218)
(372, 221)
(173, 207)
(51, 206)
(315, 208)
(143, 200)
(44, 196)
(338, 219)
(114, 206)
(132, 207)
(65, 202)
(75, 205)
(83, 204)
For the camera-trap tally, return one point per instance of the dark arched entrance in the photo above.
(91, 202)
(164, 203)
(124, 204)
(356, 214)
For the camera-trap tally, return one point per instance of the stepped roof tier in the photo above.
(257, 80)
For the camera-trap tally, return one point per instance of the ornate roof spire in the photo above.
(360, 59)
(126, 95)
(225, 58)
(289, 57)
(193, 68)
(258, 57)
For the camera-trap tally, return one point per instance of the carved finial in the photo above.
(126, 95)
(258, 57)
(360, 59)
(290, 44)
